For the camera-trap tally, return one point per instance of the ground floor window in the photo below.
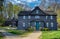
(51, 24)
(23, 24)
(47, 24)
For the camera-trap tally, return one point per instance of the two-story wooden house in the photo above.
(38, 19)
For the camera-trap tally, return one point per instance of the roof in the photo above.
(50, 12)
(29, 12)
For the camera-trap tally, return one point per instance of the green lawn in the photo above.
(50, 34)
(19, 32)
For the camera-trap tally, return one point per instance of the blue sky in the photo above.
(30, 3)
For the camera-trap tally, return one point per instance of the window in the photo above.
(51, 24)
(29, 17)
(23, 17)
(37, 17)
(46, 17)
(37, 11)
(23, 24)
(47, 24)
(51, 17)
(35, 23)
(29, 23)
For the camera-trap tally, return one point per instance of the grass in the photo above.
(19, 32)
(50, 34)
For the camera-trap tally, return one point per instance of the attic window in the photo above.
(37, 11)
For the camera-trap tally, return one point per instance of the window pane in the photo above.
(46, 17)
(51, 24)
(51, 17)
(37, 17)
(23, 24)
(37, 11)
(47, 24)
(29, 17)
(23, 17)
(29, 23)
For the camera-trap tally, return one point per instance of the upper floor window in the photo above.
(47, 24)
(51, 24)
(51, 17)
(29, 17)
(23, 24)
(37, 17)
(37, 11)
(46, 17)
(23, 17)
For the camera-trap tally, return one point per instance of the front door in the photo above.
(37, 25)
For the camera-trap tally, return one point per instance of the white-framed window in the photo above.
(51, 24)
(37, 17)
(39, 22)
(51, 17)
(35, 23)
(23, 24)
(46, 17)
(47, 24)
(29, 23)
(23, 17)
(37, 11)
(29, 17)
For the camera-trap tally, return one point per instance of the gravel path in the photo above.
(34, 35)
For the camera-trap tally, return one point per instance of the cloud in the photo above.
(30, 0)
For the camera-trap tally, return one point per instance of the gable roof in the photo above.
(29, 12)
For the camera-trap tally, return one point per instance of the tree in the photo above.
(10, 9)
(16, 10)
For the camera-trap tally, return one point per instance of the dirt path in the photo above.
(34, 35)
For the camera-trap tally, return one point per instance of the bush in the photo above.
(44, 29)
(30, 29)
(1, 35)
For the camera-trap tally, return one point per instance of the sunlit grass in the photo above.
(50, 34)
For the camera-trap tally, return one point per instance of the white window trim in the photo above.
(52, 24)
(47, 24)
(23, 17)
(51, 17)
(23, 24)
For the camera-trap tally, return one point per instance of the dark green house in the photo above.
(37, 19)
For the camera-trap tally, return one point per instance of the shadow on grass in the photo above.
(55, 38)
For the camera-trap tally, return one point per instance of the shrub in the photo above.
(44, 29)
(30, 29)
(1, 35)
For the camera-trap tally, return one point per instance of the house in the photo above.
(37, 19)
